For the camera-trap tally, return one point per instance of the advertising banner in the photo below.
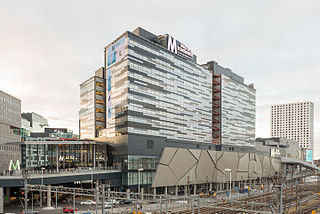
(309, 155)
(116, 51)
(109, 93)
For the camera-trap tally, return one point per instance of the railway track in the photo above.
(264, 203)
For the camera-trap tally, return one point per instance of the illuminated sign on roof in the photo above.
(178, 48)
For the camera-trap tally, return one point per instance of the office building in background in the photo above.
(295, 121)
(10, 122)
(92, 114)
(36, 121)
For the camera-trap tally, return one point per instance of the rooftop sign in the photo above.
(178, 48)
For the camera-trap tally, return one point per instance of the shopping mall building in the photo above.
(158, 96)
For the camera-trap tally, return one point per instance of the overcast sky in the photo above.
(47, 48)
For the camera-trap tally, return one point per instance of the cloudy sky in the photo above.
(47, 48)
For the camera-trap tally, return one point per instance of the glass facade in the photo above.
(134, 162)
(92, 113)
(156, 93)
(117, 99)
(238, 108)
(87, 110)
(65, 155)
(169, 96)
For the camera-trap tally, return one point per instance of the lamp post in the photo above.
(260, 172)
(139, 171)
(229, 170)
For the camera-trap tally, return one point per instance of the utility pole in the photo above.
(198, 205)
(166, 203)
(97, 196)
(74, 199)
(160, 204)
(56, 199)
(297, 198)
(280, 208)
(25, 175)
(103, 194)
(32, 201)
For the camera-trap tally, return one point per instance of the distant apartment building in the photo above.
(233, 107)
(92, 114)
(294, 121)
(26, 128)
(37, 122)
(10, 122)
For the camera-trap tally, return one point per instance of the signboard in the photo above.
(109, 93)
(275, 152)
(178, 48)
(13, 166)
(309, 155)
(116, 51)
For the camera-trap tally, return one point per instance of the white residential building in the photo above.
(294, 121)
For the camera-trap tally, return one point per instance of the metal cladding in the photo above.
(157, 93)
(179, 166)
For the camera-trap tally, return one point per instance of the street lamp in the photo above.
(260, 172)
(229, 170)
(139, 171)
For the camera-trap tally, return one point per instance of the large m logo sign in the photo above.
(13, 166)
(172, 44)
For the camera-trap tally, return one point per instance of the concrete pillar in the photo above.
(177, 190)
(8, 194)
(49, 196)
(155, 191)
(185, 190)
(94, 156)
(97, 191)
(1, 199)
(57, 158)
(128, 193)
(166, 190)
(210, 186)
(195, 189)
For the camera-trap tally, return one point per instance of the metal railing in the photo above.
(60, 171)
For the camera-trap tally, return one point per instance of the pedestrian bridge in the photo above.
(114, 175)
(292, 161)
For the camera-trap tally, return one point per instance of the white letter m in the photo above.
(172, 44)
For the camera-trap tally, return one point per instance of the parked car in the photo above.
(63, 199)
(153, 201)
(108, 204)
(69, 210)
(113, 201)
(88, 202)
(126, 201)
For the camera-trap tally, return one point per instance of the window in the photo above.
(150, 144)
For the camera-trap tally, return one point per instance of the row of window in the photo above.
(14, 102)
(9, 148)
